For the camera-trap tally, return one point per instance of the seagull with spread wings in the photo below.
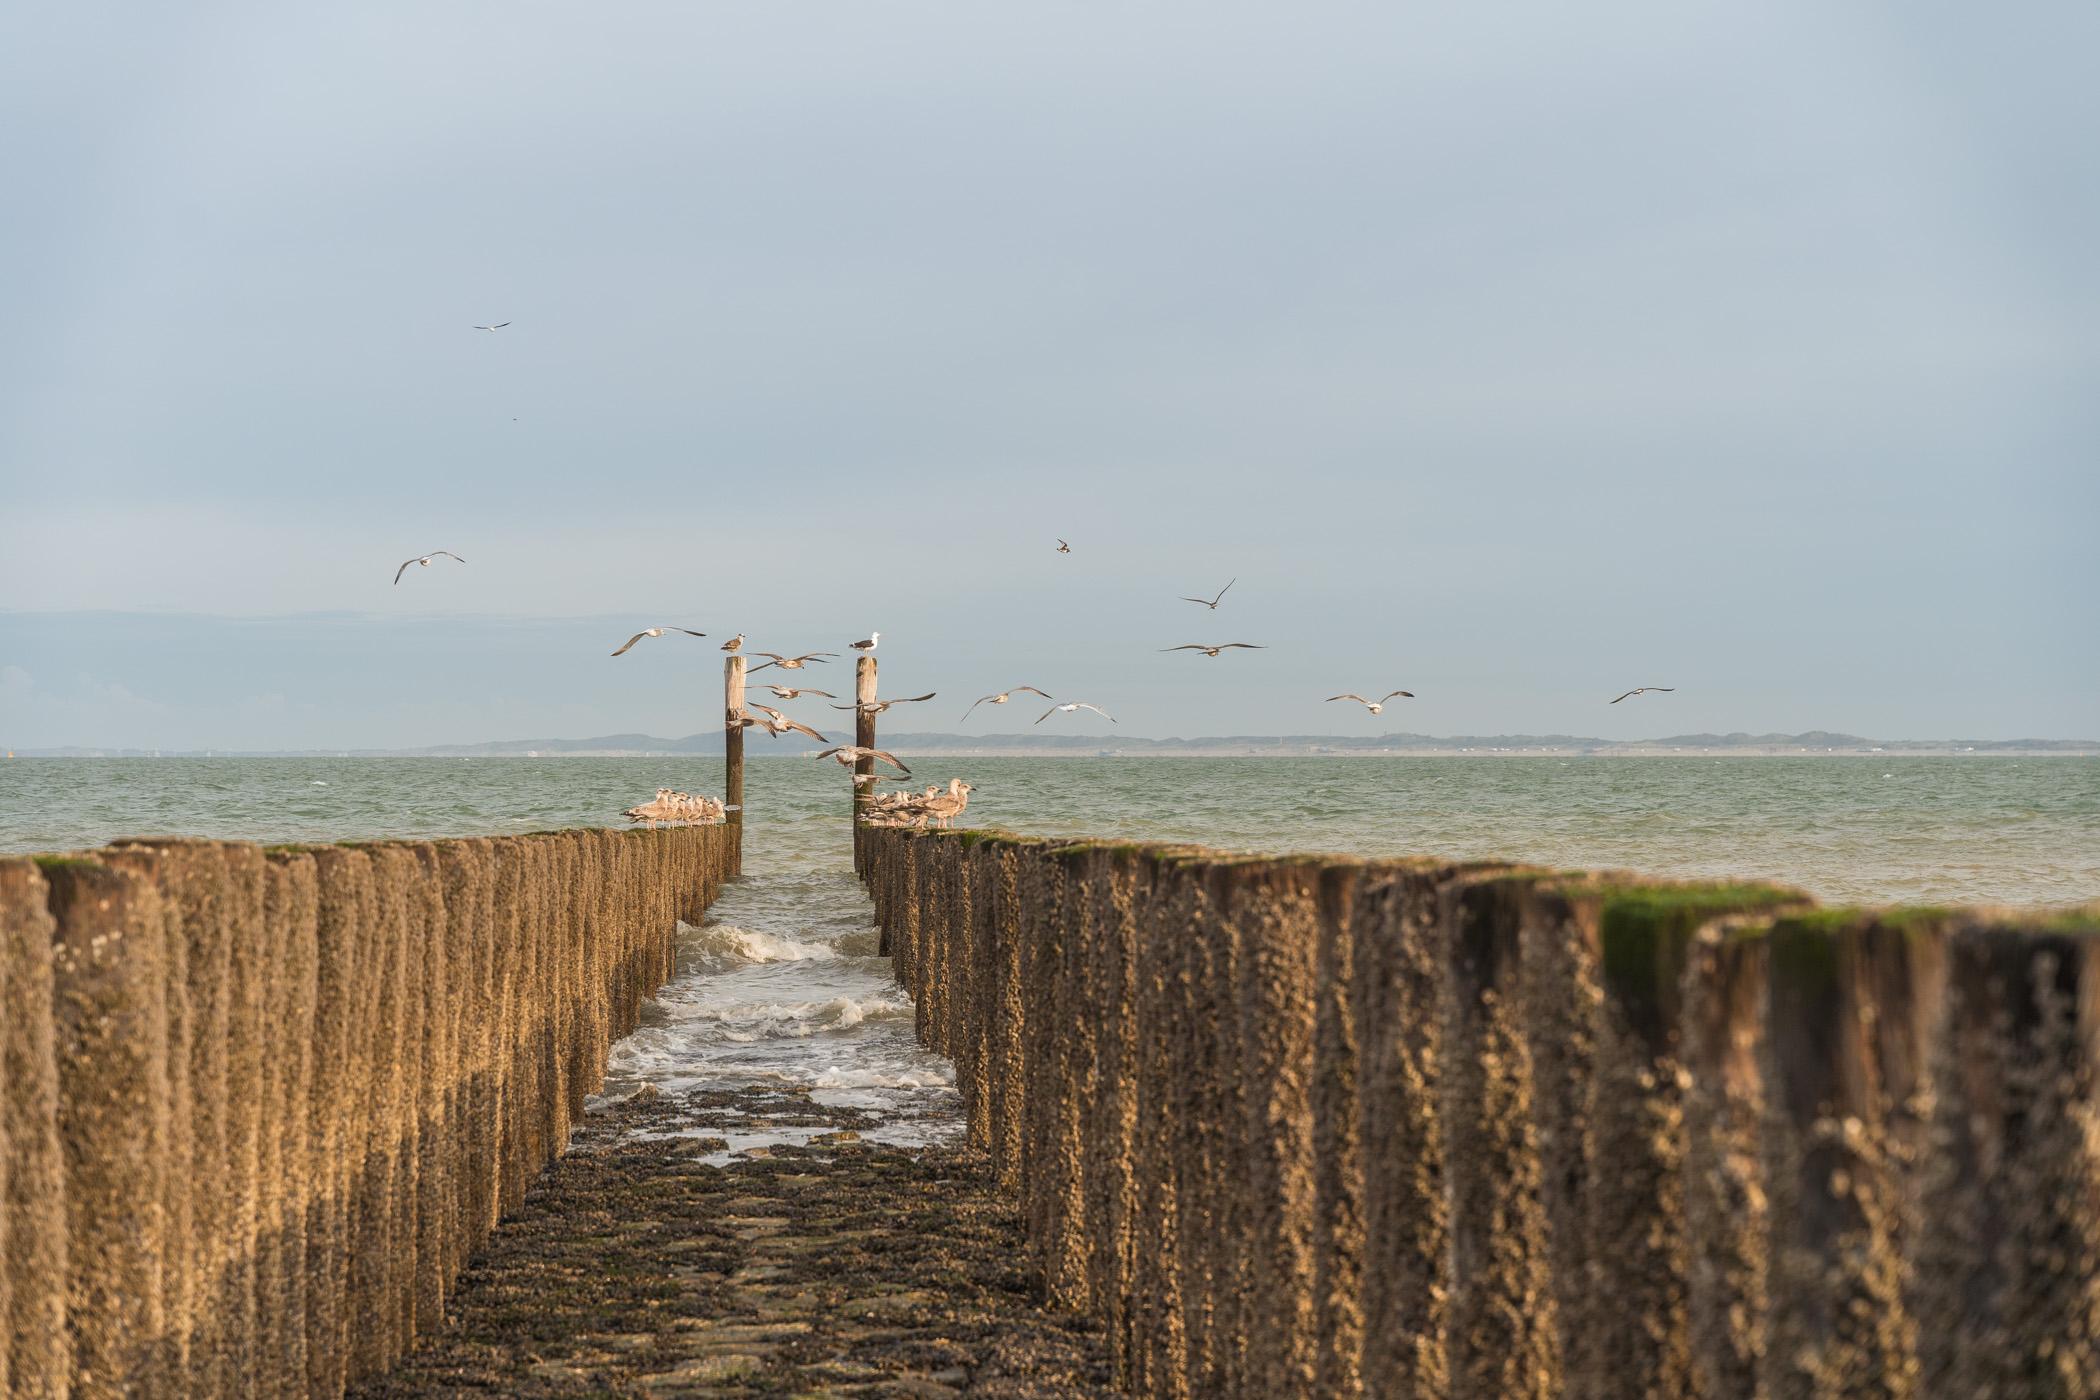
(791, 663)
(654, 632)
(1005, 695)
(1376, 707)
(1063, 548)
(497, 327)
(789, 692)
(1643, 690)
(1211, 603)
(777, 724)
(849, 754)
(876, 707)
(1213, 651)
(1070, 706)
(424, 560)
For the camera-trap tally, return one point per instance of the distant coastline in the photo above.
(1812, 744)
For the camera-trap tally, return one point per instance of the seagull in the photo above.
(1077, 705)
(791, 663)
(849, 754)
(876, 707)
(655, 632)
(740, 719)
(1376, 707)
(1005, 695)
(735, 643)
(788, 692)
(869, 644)
(1213, 651)
(424, 560)
(1643, 690)
(1063, 548)
(1211, 603)
(497, 327)
(778, 724)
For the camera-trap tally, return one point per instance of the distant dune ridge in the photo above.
(1812, 743)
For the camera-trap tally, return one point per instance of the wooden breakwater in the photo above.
(259, 1105)
(1313, 1127)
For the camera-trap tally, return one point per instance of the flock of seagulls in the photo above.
(670, 808)
(936, 804)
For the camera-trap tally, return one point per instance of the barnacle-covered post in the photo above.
(863, 734)
(733, 746)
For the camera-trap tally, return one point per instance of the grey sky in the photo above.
(1531, 351)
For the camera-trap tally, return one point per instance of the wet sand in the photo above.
(637, 1267)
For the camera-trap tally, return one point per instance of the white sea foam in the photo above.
(725, 945)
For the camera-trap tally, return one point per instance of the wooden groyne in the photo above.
(1312, 1127)
(259, 1105)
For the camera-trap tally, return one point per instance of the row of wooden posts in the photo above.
(733, 736)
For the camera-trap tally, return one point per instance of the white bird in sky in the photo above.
(1643, 690)
(1213, 651)
(792, 663)
(876, 707)
(869, 644)
(1070, 706)
(1376, 707)
(778, 724)
(497, 327)
(424, 560)
(1211, 603)
(848, 754)
(789, 692)
(654, 632)
(1005, 695)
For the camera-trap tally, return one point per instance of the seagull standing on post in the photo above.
(735, 643)
(868, 645)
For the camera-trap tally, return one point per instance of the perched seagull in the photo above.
(1643, 690)
(1063, 548)
(1211, 603)
(1376, 707)
(791, 663)
(869, 644)
(1005, 695)
(1213, 651)
(735, 643)
(655, 632)
(789, 692)
(876, 707)
(424, 560)
(1077, 705)
(778, 724)
(849, 754)
(497, 327)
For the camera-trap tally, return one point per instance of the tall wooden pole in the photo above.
(733, 748)
(863, 732)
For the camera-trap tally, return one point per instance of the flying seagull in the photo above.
(869, 643)
(849, 754)
(1213, 651)
(424, 560)
(876, 707)
(735, 643)
(1211, 603)
(654, 632)
(789, 692)
(1063, 548)
(1005, 695)
(497, 327)
(1643, 690)
(778, 724)
(1376, 707)
(1077, 705)
(791, 663)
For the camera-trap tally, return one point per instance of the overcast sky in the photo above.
(1515, 354)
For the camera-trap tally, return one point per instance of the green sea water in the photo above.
(1971, 830)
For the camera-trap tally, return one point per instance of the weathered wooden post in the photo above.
(733, 748)
(863, 733)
